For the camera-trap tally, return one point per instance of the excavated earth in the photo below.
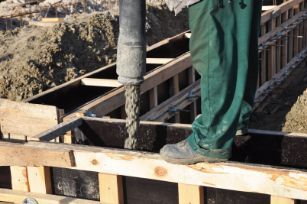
(285, 109)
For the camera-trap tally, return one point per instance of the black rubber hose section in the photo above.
(131, 53)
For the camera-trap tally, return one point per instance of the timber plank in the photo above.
(281, 200)
(111, 189)
(290, 183)
(20, 121)
(58, 130)
(22, 118)
(30, 155)
(100, 82)
(39, 179)
(158, 60)
(19, 176)
(52, 20)
(15, 196)
(189, 194)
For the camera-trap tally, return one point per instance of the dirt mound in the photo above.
(33, 59)
(296, 119)
(162, 24)
(286, 108)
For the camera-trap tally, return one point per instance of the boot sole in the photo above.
(189, 162)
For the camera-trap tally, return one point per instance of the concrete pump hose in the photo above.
(131, 61)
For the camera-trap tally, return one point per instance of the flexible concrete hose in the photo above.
(132, 107)
(131, 61)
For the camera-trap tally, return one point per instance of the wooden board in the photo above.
(30, 155)
(281, 200)
(111, 189)
(190, 194)
(290, 183)
(100, 82)
(22, 118)
(52, 20)
(39, 179)
(23, 121)
(265, 147)
(19, 196)
(19, 177)
(158, 60)
(270, 7)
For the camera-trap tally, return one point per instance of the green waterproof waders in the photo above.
(224, 49)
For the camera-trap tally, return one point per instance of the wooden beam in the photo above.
(167, 41)
(32, 119)
(158, 60)
(270, 7)
(272, 55)
(281, 200)
(30, 155)
(19, 175)
(20, 121)
(52, 20)
(15, 196)
(188, 35)
(59, 129)
(190, 194)
(283, 182)
(100, 82)
(263, 60)
(153, 97)
(176, 89)
(193, 106)
(39, 179)
(284, 42)
(111, 189)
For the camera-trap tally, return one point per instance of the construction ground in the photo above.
(58, 92)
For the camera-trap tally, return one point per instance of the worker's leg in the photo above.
(224, 52)
(252, 75)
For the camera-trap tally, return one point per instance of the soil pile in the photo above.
(296, 119)
(33, 59)
(286, 108)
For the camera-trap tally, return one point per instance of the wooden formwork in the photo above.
(171, 88)
(21, 122)
(265, 162)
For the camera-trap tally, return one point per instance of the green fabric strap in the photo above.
(224, 49)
